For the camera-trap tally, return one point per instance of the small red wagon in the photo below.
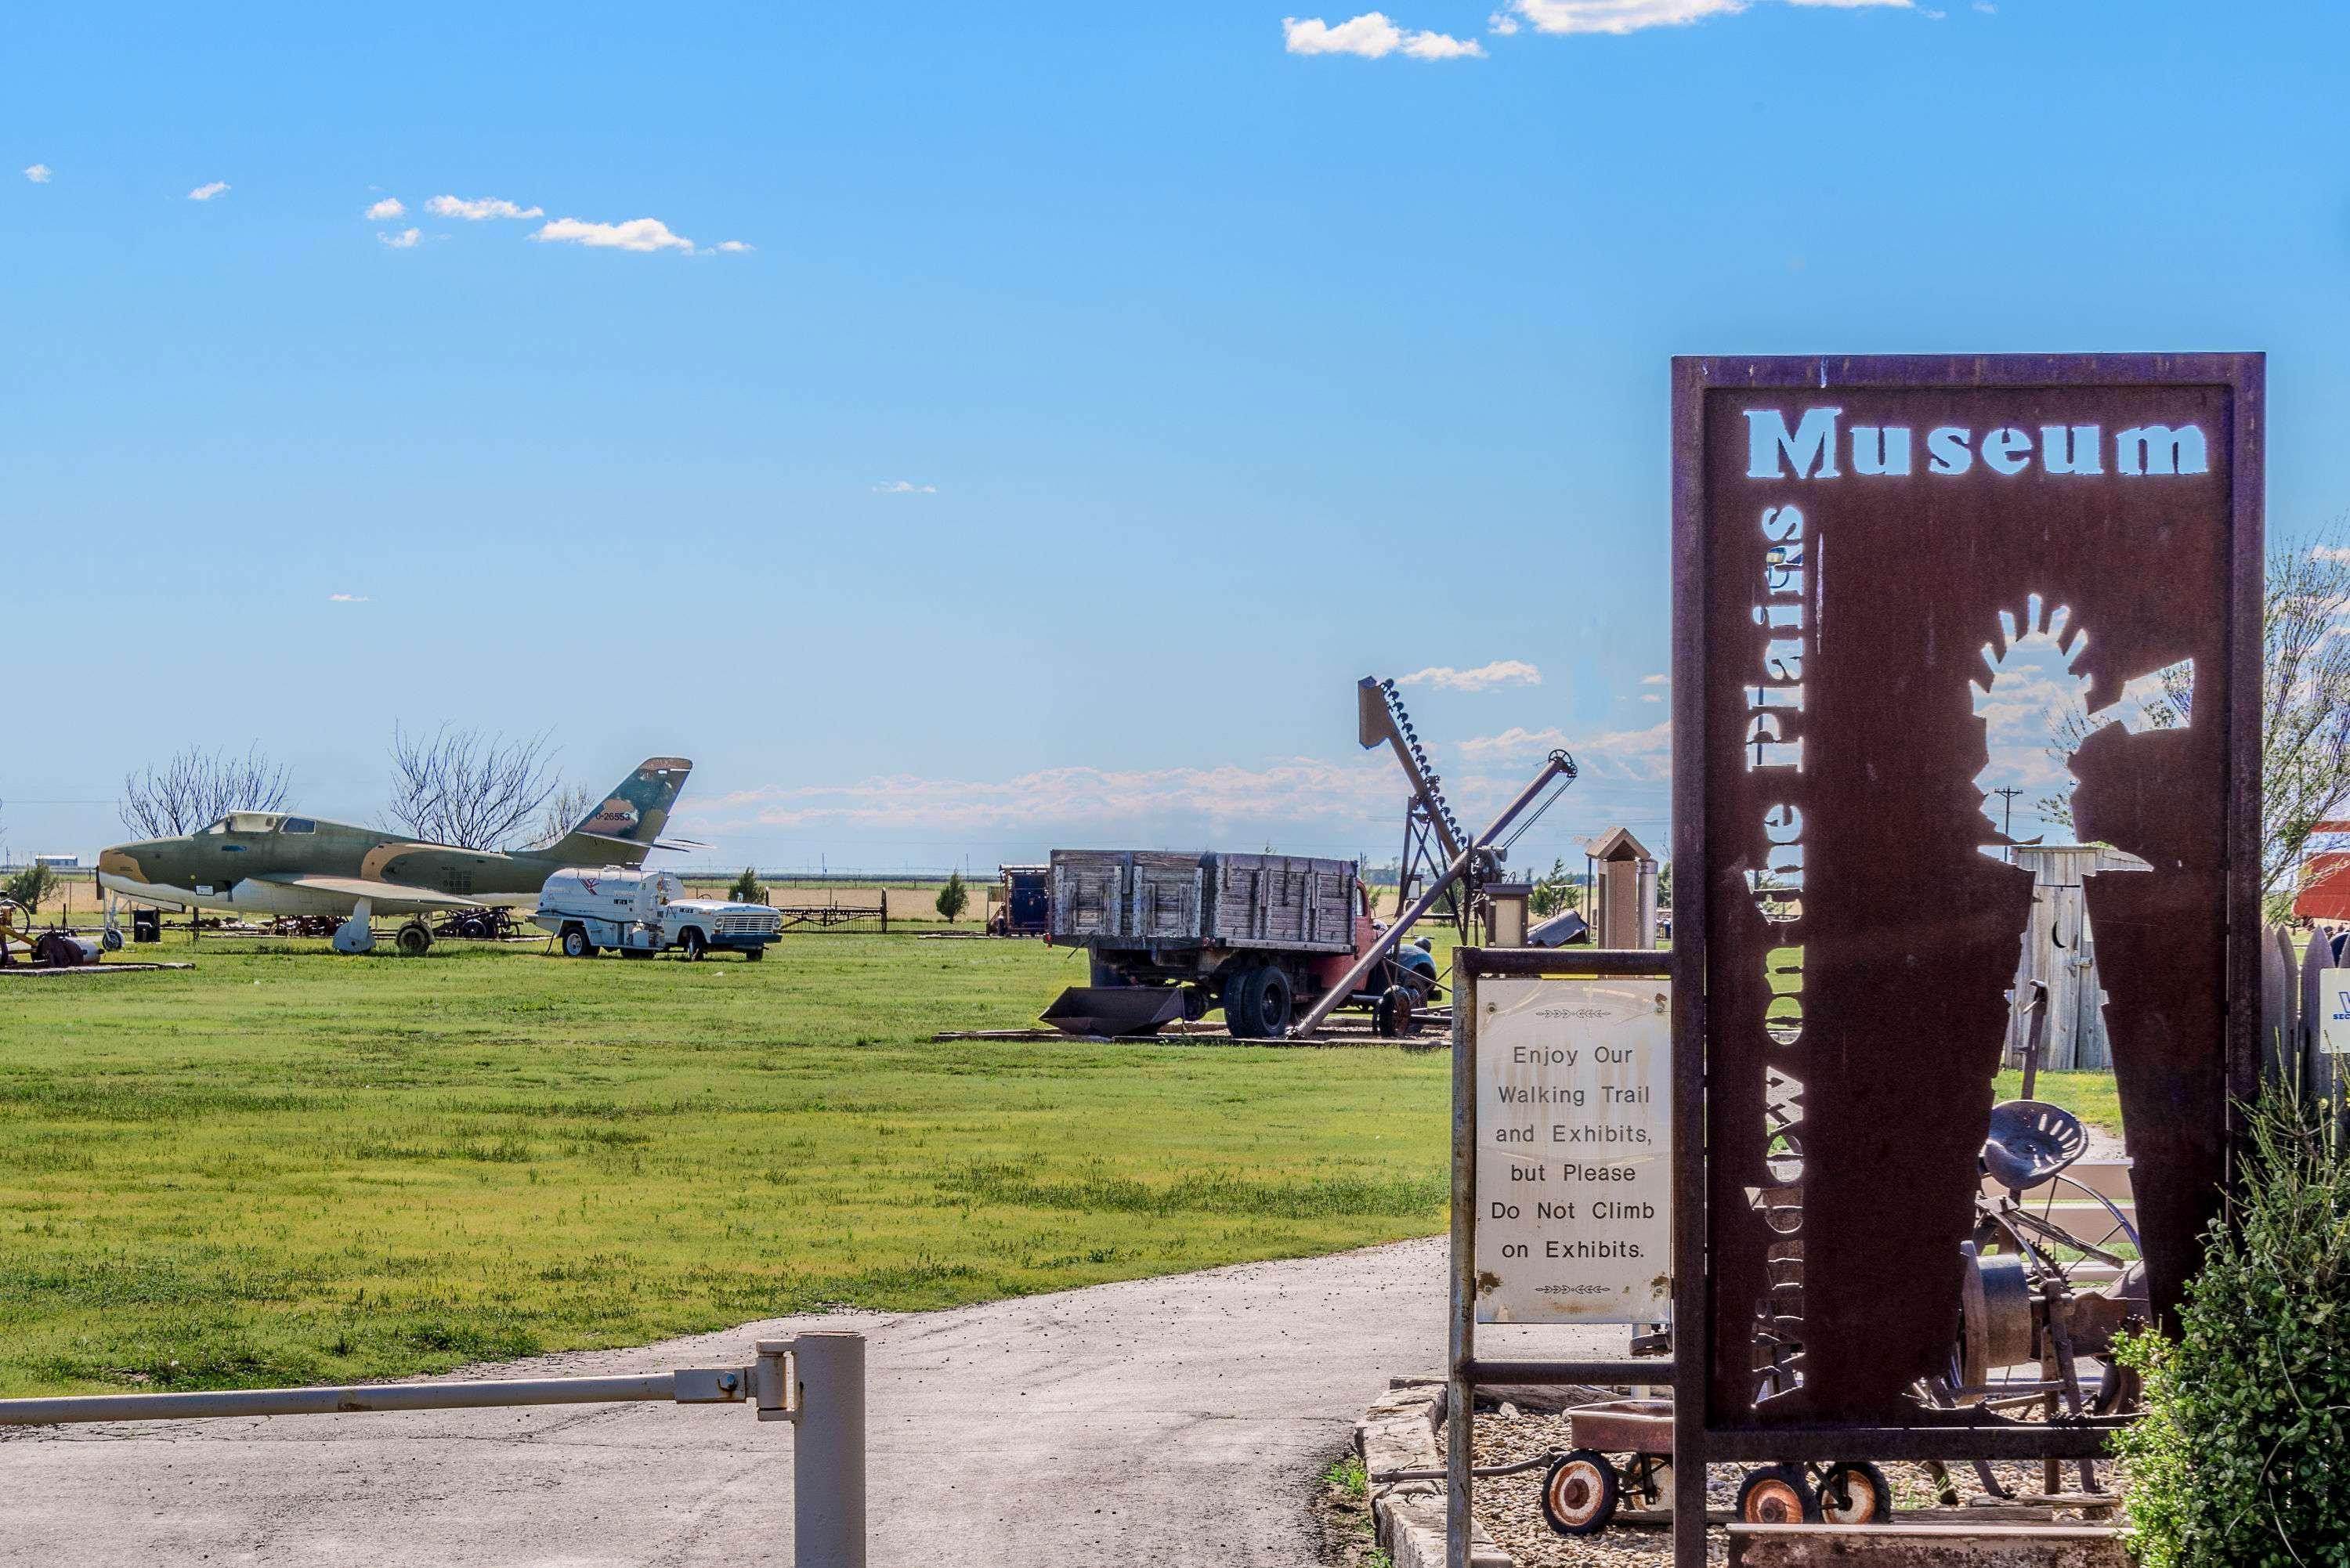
(1584, 1487)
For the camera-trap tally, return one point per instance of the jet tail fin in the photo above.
(627, 824)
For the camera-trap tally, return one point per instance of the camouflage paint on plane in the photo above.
(280, 862)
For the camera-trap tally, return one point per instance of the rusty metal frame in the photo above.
(2242, 375)
(1463, 1371)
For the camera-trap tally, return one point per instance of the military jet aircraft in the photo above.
(273, 862)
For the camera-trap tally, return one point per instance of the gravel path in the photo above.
(1510, 1507)
(1169, 1421)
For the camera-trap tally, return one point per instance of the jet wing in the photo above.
(389, 897)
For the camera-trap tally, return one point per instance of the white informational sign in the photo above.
(2333, 1011)
(1574, 1182)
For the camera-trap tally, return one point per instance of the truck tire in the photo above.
(1257, 1001)
(1277, 1001)
(1239, 1001)
(576, 944)
(693, 944)
(753, 954)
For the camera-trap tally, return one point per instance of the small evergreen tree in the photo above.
(747, 888)
(952, 897)
(2242, 1459)
(31, 886)
(1556, 891)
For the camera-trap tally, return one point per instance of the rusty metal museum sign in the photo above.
(1936, 620)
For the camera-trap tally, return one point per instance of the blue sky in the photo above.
(1102, 392)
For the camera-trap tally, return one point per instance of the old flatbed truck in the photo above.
(1173, 934)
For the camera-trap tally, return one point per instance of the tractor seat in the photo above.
(2031, 1141)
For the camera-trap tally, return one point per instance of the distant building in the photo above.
(59, 862)
(2325, 882)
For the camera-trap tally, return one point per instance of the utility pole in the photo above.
(2007, 795)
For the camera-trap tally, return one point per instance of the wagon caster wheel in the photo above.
(413, 940)
(1391, 1015)
(1579, 1492)
(1654, 1492)
(1195, 1004)
(1854, 1491)
(1777, 1494)
(694, 945)
(112, 941)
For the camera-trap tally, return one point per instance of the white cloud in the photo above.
(733, 248)
(350, 600)
(1621, 16)
(636, 234)
(403, 241)
(1659, 679)
(1441, 46)
(2331, 552)
(206, 192)
(1502, 23)
(1310, 804)
(1353, 795)
(1372, 36)
(904, 487)
(1484, 678)
(475, 210)
(38, 173)
(1637, 756)
(389, 207)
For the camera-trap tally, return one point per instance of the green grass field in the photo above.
(291, 1165)
(288, 1166)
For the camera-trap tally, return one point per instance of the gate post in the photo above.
(828, 1451)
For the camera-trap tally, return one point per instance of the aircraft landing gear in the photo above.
(356, 935)
(415, 939)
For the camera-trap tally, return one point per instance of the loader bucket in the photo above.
(1115, 1008)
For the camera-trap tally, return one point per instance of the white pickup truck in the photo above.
(639, 913)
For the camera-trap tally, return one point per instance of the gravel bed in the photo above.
(1510, 1507)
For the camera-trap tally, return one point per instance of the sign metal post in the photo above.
(1647, 973)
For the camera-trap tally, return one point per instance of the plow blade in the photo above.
(1115, 1008)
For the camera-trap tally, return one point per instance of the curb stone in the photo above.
(1398, 1433)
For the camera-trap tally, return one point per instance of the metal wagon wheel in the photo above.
(1580, 1492)
(2061, 1227)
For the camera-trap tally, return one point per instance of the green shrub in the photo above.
(31, 886)
(2242, 1459)
(747, 888)
(952, 897)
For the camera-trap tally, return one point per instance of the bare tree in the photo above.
(197, 787)
(2304, 707)
(2304, 703)
(466, 788)
(565, 809)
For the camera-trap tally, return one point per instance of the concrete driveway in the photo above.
(1165, 1422)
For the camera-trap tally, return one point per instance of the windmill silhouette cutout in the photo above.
(2033, 700)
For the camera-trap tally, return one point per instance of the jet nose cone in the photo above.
(119, 863)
